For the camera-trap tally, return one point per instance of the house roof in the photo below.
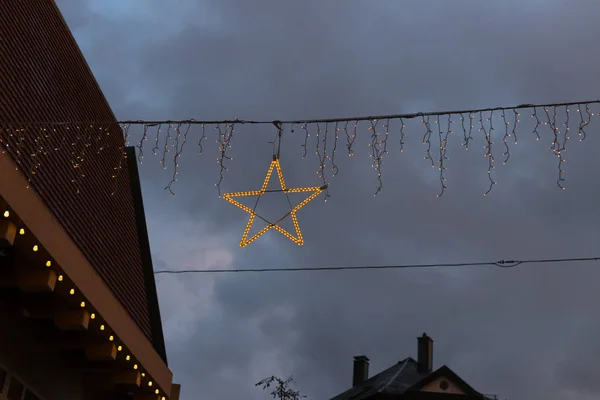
(396, 379)
(44, 77)
(446, 372)
(402, 378)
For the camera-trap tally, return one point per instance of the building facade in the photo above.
(79, 314)
(410, 379)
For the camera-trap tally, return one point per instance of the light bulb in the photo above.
(6, 214)
(48, 263)
(93, 316)
(111, 338)
(21, 231)
(82, 304)
(101, 327)
(72, 291)
(135, 366)
(60, 278)
(35, 248)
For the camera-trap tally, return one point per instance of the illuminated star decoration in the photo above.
(273, 225)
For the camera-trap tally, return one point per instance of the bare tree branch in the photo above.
(281, 388)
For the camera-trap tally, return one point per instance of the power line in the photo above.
(307, 121)
(501, 264)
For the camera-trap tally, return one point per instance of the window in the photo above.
(30, 396)
(12, 388)
(15, 390)
(3, 376)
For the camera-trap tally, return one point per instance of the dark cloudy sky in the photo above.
(524, 333)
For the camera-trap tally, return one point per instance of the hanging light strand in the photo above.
(29, 149)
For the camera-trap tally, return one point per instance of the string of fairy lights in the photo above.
(27, 242)
(167, 139)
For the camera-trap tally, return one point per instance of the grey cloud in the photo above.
(521, 333)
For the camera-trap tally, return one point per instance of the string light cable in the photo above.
(542, 106)
(29, 142)
(501, 264)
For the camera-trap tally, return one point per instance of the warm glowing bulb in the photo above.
(111, 338)
(21, 231)
(149, 383)
(101, 327)
(157, 391)
(135, 366)
(60, 278)
(128, 357)
(48, 263)
(35, 248)
(119, 348)
(93, 316)
(163, 398)
(82, 304)
(6, 214)
(143, 374)
(72, 291)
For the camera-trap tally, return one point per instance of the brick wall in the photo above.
(44, 77)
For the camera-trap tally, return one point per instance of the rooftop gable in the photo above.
(397, 379)
(433, 383)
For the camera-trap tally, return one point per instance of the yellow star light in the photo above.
(273, 225)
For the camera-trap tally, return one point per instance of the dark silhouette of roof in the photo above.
(403, 378)
(396, 379)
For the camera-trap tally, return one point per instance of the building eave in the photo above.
(40, 221)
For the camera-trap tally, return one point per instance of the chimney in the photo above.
(361, 370)
(425, 354)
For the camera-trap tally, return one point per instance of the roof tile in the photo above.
(44, 77)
